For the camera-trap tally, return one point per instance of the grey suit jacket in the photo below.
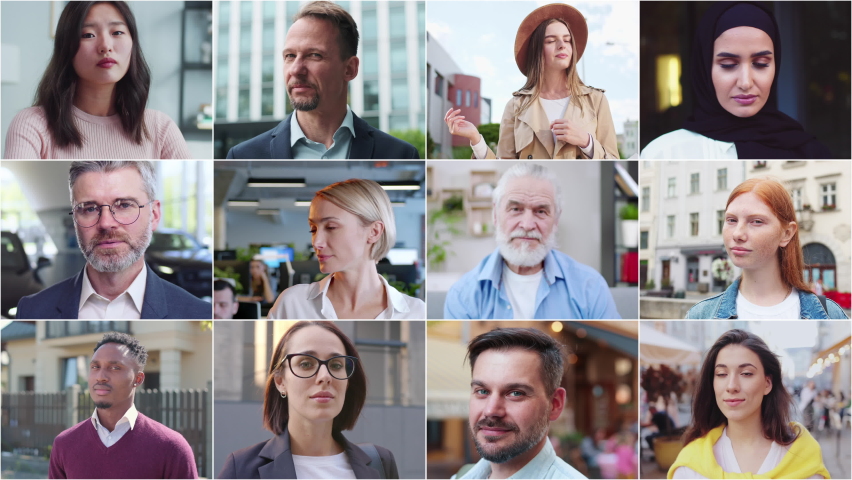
(273, 459)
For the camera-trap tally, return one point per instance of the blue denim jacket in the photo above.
(724, 305)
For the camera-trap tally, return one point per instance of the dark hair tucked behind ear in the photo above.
(137, 351)
(276, 411)
(776, 405)
(58, 86)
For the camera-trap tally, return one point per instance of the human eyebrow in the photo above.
(520, 386)
(314, 353)
(322, 220)
(109, 24)
(745, 365)
(734, 55)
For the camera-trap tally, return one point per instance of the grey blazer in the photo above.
(273, 459)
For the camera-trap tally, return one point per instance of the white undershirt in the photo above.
(723, 450)
(332, 466)
(789, 309)
(554, 109)
(522, 290)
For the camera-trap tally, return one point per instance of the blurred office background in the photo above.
(596, 433)
(175, 38)
(813, 82)
(251, 94)
(261, 211)
(45, 385)
(598, 226)
(40, 246)
(393, 355)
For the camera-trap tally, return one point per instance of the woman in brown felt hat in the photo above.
(555, 115)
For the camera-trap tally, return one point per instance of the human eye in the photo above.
(315, 55)
(289, 56)
(516, 394)
(760, 65)
(118, 32)
(313, 230)
(730, 220)
(93, 367)
(336, 364)
(87, 35)
(123, 205)
(480, 392)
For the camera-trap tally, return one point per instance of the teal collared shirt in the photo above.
(304, 148)
(544, 465)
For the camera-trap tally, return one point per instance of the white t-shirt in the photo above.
(332, 466)
(686, 144)
(723, 450)
(522, 290)
(789, 309)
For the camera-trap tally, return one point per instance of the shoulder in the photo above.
(295, 302)
(157, 118)
(470, 280)
(33, 117)
(386, 145)
(660, 146)
(250, 454)
(73, 434)
(835, 311)
(259, 146)
(298, 294)
(577, 272)
(388, 462)
(181, 302)
(160, 433)
(43, 303)
(561, 469)
(705, 309)
(416, 307)
(244, 462)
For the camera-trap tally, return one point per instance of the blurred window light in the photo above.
(668, 82)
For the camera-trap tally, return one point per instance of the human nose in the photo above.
(106, 220)
(104, 43)
(297, 66)
(740, 232)
(318, 240)
(323, 374)
(527, 220)
(494, 406)
(733, 384)
(745, 80)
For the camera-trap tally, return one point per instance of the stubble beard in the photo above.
(304, 105)
(524, 255)
(103, 405)
(112, 262)
(524, 442)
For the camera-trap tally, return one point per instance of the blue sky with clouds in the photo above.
(480, 37)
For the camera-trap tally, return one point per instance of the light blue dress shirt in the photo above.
(568, 289)
(304, 148)
(544, 465)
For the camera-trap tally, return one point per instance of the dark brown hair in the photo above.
(276, 409)
(347, 29)
(548, 349)
(57, 88)
(535, 66)
(776, 405)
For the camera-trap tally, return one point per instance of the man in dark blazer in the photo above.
(319, 62)
(115, 283)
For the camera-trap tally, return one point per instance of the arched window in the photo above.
(820, 264)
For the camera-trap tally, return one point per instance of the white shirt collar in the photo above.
(129, 416)
(395, 298)
(136, 290)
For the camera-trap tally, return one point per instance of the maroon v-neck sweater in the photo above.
(149, 450)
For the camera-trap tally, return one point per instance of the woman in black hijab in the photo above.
(736, 58)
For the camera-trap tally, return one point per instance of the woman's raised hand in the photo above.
(566, 131)
(461, 127)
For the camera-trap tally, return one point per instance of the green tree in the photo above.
(414, 137)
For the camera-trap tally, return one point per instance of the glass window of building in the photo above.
(722, 179)
(224, 40)
(693, 224)
(720, 221)
(646, 199)
(222, 72)
(399, 59)
(439, 85)
(397, 19)
(458, 98)
(269, 11)
(243, 104)
(245, 12)
(245, 39)
(467, 98)
(643, 239)
(796, 195)
(398, 122)
(369, 28)
(421, 20)
(693, 183)
(828, 191)
(475, 99)
(671, 190)
(399, 93)
(267, 103)
(371, 61)
(269, 37)
(221, 103)
(245, 69)
(268, 68)
(670, 226)
(371, 95)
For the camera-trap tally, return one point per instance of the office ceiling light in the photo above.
(303, 203)
(268, 211)
(401, 185)
(243, 203)
(276, 182)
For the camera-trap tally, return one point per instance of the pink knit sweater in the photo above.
(103, 137)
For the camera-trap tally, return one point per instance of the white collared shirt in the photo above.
(124, 425)
(312, 302)
(127, 306)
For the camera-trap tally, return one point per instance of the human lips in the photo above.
(322, 397)
(733, 402)
(300, 87)
(101, 389)
(494, 429)
(745, 99)
(323, 258)
(111, 243)
(562, 55)
(739, 251)
(107, 62)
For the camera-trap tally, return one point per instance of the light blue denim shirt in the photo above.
(724, 305)
(568, 289)
(544, 465)
(304, 148)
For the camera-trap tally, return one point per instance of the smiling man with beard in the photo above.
(514, 395)
(118, 441)
(319, 62)
(115, 212)
(526, 278)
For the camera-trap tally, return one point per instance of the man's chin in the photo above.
(103, 405)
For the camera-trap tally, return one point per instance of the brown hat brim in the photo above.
(567, 13)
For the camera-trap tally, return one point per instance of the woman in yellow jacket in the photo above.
(741, 418)
(555, 115)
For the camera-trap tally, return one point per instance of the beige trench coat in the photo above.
(528, 136)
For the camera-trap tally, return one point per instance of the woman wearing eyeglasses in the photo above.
(315, 389)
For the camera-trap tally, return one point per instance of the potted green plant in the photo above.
(666, 383)
(629, 215)
(443, 225)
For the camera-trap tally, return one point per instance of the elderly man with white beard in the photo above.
(526, 278)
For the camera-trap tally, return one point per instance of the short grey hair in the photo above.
(526, 169)
(144, 167)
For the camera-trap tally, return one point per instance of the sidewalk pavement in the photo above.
(836, 454)
(24, 466)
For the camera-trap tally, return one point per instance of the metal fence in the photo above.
(31, 421)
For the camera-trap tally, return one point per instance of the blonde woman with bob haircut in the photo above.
(352, 228)
(555, 115)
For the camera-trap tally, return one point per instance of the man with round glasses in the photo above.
(115, 212)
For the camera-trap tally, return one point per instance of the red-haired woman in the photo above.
(762, 238)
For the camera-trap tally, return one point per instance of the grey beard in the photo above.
(524, 256)
(522, 445)
(112, 263)
(305, 105)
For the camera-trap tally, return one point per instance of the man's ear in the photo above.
(139, 378)
(557, 403)
(351, 69)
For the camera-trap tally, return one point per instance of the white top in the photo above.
(311, 302)
(332, 466)
(127, 306)
(789, 309)
(124, 425)
(554, 109)
(685, 144)
(723, 450)
(521, 290)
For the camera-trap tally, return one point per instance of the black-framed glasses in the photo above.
(306, 366)
(125, 212)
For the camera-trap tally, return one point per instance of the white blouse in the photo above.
(311, 301)
(685, 144)
(723, 450)
(332, 466)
